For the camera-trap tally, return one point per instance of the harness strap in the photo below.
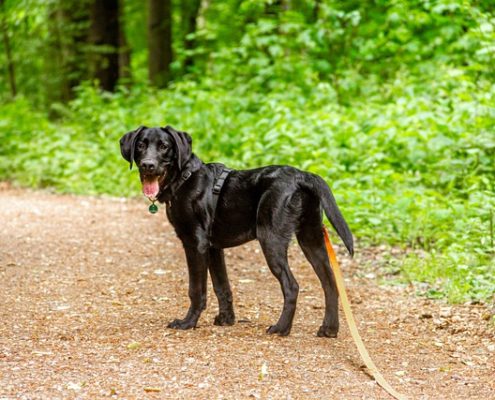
(352, 323)
(217, 188)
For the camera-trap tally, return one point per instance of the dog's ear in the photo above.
(183, 145)
(128, 143)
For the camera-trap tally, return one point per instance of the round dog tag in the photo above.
(153, 208)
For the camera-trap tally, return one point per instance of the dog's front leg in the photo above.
(197, 265)
(220, 280)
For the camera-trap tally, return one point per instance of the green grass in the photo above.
(411, 165)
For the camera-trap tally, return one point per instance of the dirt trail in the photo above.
(87, 286)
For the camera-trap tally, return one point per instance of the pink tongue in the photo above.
(151, 188)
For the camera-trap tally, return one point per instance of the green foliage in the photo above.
(391, 102)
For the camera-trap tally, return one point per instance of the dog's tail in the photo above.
(318, 186)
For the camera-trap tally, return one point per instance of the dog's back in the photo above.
(278, 196)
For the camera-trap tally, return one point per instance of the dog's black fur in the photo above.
(269, 204)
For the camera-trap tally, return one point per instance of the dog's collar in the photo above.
(179, 182)
(168, 192)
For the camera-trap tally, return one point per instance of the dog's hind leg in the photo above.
(221, 285)
(310, 238)
(275, 226)
(275, 251)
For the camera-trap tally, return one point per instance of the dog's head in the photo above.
(157, 152)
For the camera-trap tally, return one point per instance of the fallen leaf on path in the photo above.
(134, 346)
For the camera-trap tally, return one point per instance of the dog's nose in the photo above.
(148, 166)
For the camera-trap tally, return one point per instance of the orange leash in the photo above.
(352, 323)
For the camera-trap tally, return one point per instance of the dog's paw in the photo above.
(281, 331)
(182, 324)
(224, 319)
(326, 331)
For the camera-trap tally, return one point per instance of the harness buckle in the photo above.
(217, 187)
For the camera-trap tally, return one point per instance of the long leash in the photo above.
(351, 323)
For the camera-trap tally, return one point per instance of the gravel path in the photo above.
(87, 286)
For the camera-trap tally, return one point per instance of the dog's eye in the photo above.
(141, 146)
(163, 147)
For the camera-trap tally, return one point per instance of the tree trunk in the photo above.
(316, 11)
(75, 16)
(160, 42)
(124, 49)
(104, 41)
(190, 10)
(56, 84)
(8, 51)
(64, 58)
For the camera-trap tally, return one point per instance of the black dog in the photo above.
(269, 204)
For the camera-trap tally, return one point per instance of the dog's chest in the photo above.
(186, 218)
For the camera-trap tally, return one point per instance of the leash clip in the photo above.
(186, 175)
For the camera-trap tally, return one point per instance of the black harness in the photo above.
(220, 177)
(217, 189)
